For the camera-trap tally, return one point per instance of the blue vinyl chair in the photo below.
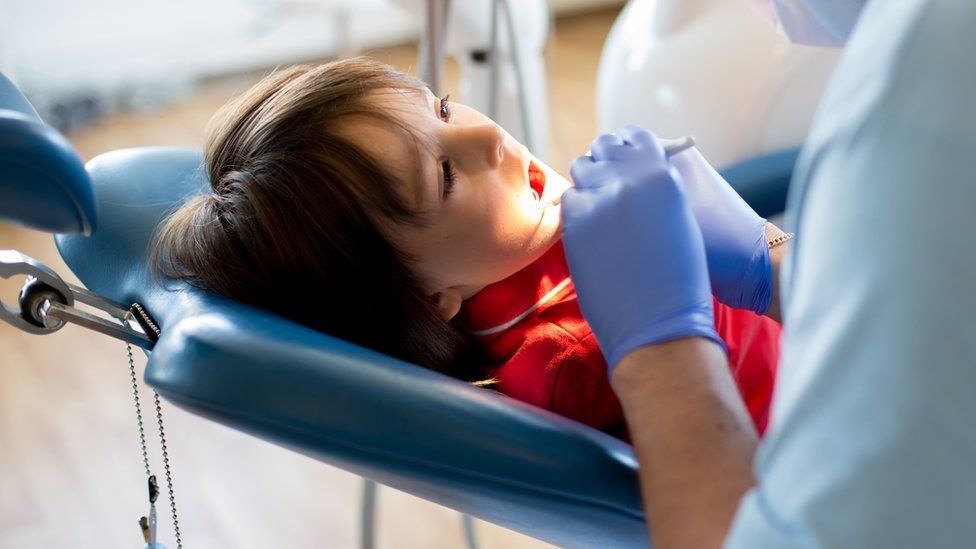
(443, 440)
(43, 180)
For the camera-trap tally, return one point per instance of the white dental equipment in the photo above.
(712, 68)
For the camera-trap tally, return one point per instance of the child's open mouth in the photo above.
(537, 179)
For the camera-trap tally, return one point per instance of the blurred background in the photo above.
(125, 73)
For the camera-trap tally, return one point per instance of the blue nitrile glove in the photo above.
(735, 236)
(634, 249)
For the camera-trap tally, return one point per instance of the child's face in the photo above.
(485, 221)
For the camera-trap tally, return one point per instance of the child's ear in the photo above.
(448, 302)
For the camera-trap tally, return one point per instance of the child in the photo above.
(350, 199)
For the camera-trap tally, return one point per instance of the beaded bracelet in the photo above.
(779, 240)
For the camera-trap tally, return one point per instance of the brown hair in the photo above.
(292, 222)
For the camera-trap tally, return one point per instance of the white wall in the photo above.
(78, 59)
(60, 45)
(63, 44)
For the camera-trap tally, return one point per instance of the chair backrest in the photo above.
(418, 431)
(764, 181)
(43, 182)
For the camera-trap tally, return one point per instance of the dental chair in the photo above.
(398, 424)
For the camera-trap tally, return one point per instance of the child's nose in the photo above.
(487, 142)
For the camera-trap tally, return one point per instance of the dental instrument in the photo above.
(670, 150)
(674, 148)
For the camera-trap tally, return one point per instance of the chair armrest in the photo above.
(43, 184)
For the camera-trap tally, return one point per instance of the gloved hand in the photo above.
(634, 249)
(735, 236)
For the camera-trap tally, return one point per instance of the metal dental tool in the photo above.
(670, 150)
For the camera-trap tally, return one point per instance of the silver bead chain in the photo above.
(137, 309)
(135, 397)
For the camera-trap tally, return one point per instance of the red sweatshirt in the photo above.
(544, 352)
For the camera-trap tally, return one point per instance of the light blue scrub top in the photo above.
(873, 435)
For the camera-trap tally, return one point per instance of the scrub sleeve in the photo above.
(872, 442)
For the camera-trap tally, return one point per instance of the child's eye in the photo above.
(449, 177)
(445, 108)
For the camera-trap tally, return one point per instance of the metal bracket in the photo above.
(46, 304)
(14, 263)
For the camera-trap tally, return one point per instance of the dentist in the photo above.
(872, 440)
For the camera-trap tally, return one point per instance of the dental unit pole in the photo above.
(432, 44)
(499, 53)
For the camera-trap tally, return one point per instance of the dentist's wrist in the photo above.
(775, 236)
(776, 254)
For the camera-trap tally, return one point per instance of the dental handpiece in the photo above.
(669, 150)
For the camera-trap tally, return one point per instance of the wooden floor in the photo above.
(70, 466)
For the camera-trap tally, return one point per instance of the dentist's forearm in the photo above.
(693, 438)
